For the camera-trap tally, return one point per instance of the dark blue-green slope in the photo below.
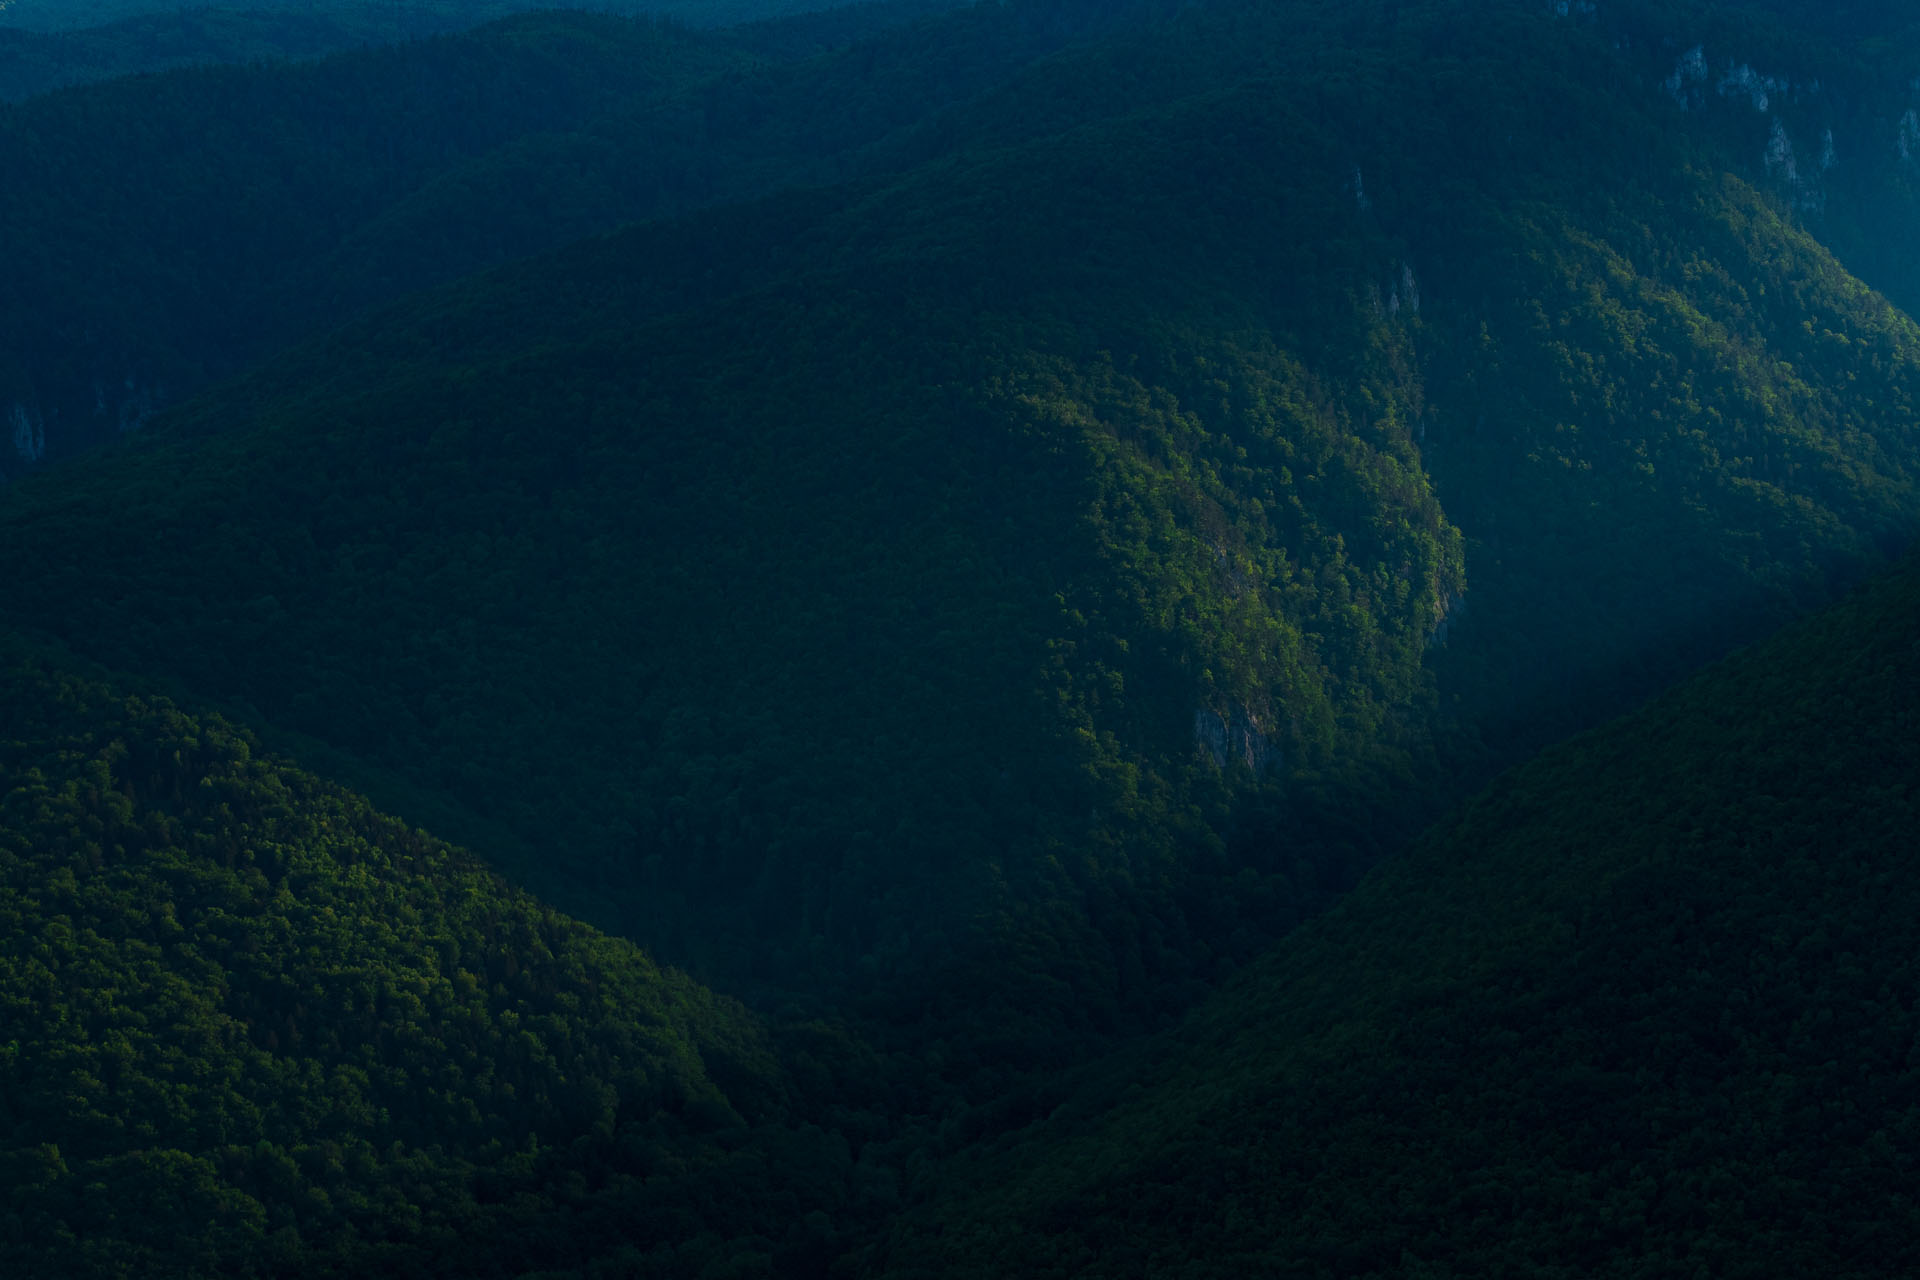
(1646, 1007)
(849, 592)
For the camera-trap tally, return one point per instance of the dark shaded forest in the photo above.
(1644, 1007)
(953, 575)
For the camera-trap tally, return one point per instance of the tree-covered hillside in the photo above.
(1084, 484)
(936, 587)
(1617, 295)
(1822, 99)
(174, 229)
(1056, 552)
(249, 1026)
(1644, 1008)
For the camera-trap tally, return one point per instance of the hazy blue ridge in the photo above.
(34, 62)
(182, 226)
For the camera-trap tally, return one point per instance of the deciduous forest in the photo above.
(943, 639)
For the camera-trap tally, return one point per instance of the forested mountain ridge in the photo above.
(1060, 509)
(252, 1027)
(250, 206)
(37, 62)
(1644, 1007)
(100, 281)
(34, 62)
(973, 608)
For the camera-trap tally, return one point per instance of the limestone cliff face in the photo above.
(28, 432)
(1450, 608)
(40, 429)
(1236, 736)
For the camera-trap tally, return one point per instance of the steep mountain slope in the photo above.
(972, 612)
(183, 226)
(1643, 1008)
(776, 708)
(1823, 99)
(1521, 169)
(252, 1027)
(1623, 284)
(1009, 594)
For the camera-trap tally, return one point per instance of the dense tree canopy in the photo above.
(1081, 548)
(1089, 483)
(253, 1027)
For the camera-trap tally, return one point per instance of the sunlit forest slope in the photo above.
(253, 1027)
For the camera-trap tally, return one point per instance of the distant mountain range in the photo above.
(968, 534)
(382, 17)
(260, 204)
(36, 58)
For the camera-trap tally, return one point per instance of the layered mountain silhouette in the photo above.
(180, 227)
(35, 61)
(1052, 498)
(386, 20)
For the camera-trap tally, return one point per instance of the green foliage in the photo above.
(848, 591)
(252, 1027)
(1688, 408)
(1637, 1010)
(971, 611)
(1074, 565)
